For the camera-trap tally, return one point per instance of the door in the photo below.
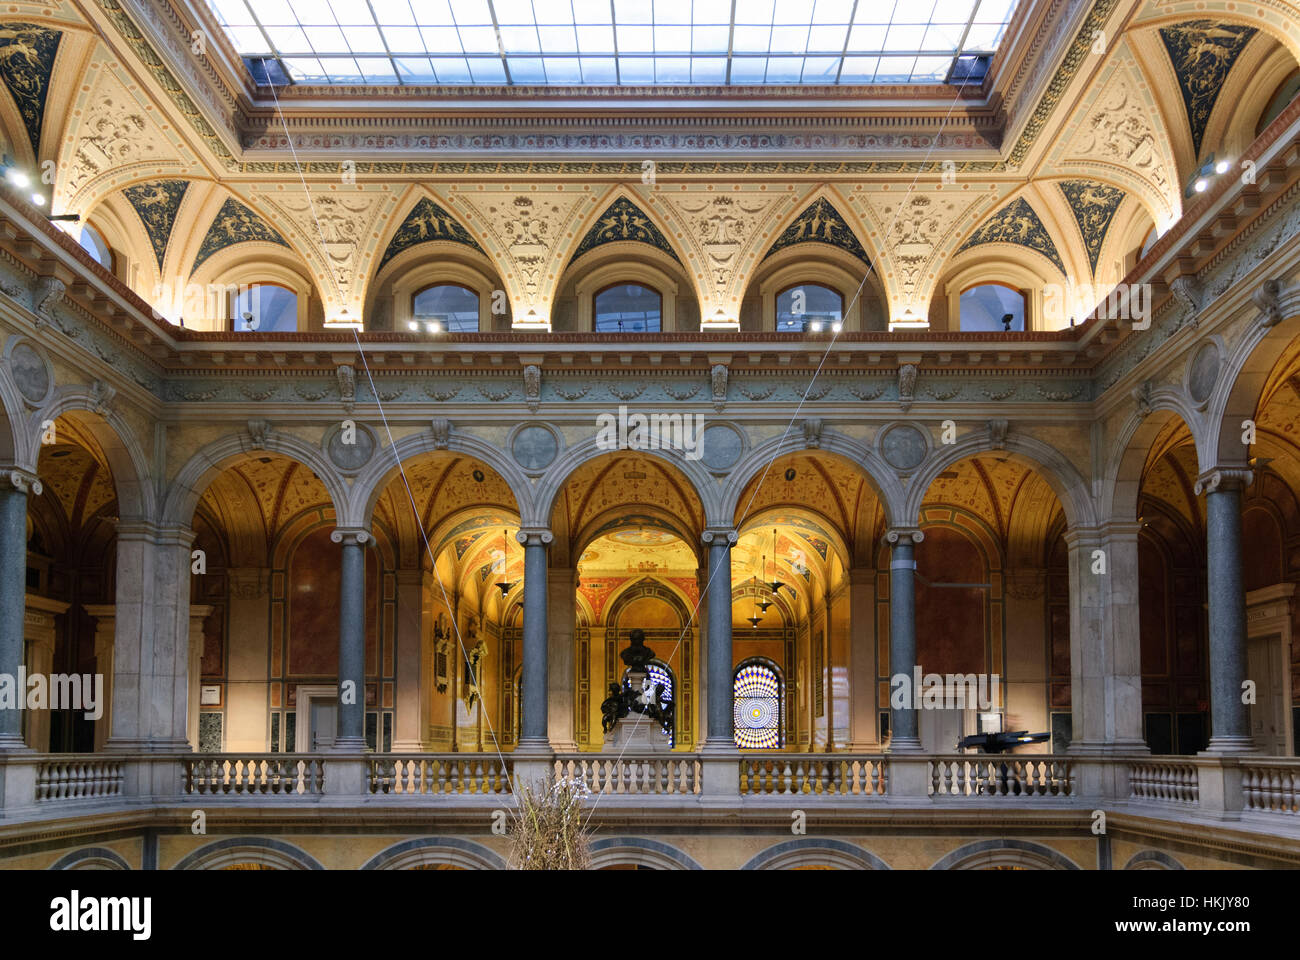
(324, 722)
(1267, 716)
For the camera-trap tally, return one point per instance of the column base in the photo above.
(719, 770)
(13, 743)
(1107, 748)
(146, 745)
(905, 745)
(348, 745)
(532, 763)
(1219, 746)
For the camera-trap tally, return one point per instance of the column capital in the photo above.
(725, 535)
(351, 536)
(1221, 479)
(159, 534)
(23, 480)
(535, 536)
(1079, 535)
(904, 535)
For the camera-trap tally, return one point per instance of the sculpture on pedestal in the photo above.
(639, 693)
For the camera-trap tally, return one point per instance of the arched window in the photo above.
(265, 308)
(445, 308)
(93, 242)
(988, 307)
(659, 672)
(808, 306)
(1149, 242)
(1287, 91)
(628, 308)
(757, 705)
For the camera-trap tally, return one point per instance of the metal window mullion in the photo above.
(961, 45)
(501, 47)
(844, 51)
(382, 39)
(275, 50)
(731, 39)
(613, 26)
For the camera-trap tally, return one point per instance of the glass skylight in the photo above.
(618, 42)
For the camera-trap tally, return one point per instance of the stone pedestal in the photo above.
(637, 734)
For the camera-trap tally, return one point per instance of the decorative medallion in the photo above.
(1018, 224)
(534, 447)
(27, 55)
(234, 223)
(1203, 372)
(425, 223)
(903, 446)
(350, 449)
(30, 374)
(156, 202)
(624, 222)
(1094, 206)
(722, 446)
(821, 223)
(1203, 53)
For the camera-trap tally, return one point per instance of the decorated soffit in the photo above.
(157, 203)
(1203, 53)
(27, 54)
(624, 222)
(425, 223)
(637, 551)
(234, 223)
(1171, 480)
(443, 485)
(616, 482)
(820, 223)
(1094, 206)
(827, 485)
(989, 487)
(1017, 224)
(280, 490)
(80, 484)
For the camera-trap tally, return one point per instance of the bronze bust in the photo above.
(637, 655)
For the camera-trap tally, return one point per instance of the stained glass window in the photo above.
(757, 707)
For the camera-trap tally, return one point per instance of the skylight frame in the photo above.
(569, 43)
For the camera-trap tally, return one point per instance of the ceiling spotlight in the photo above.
(815, 326)
(1222, 167)
(1201, 185)
(433, 326)
(836, 327)
(18, 178)
(38, 199)
(413, 327)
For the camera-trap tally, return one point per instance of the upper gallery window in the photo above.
(265, 308)
(445, 308)
(992, 307)
(808, 307)
(93, 242)
(628, 308)
(624, 42)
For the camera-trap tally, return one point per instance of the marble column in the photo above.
(411, 681)
(533, 703)
(13, 591)
(720, 731)
(1105, 640)
(1229, 717)
(151, 657)
(903, 721)
(864, 724)
(105, 615)
(39, 634)
(351, 737)
(198, 613)
(560, 606)
(248, 619)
